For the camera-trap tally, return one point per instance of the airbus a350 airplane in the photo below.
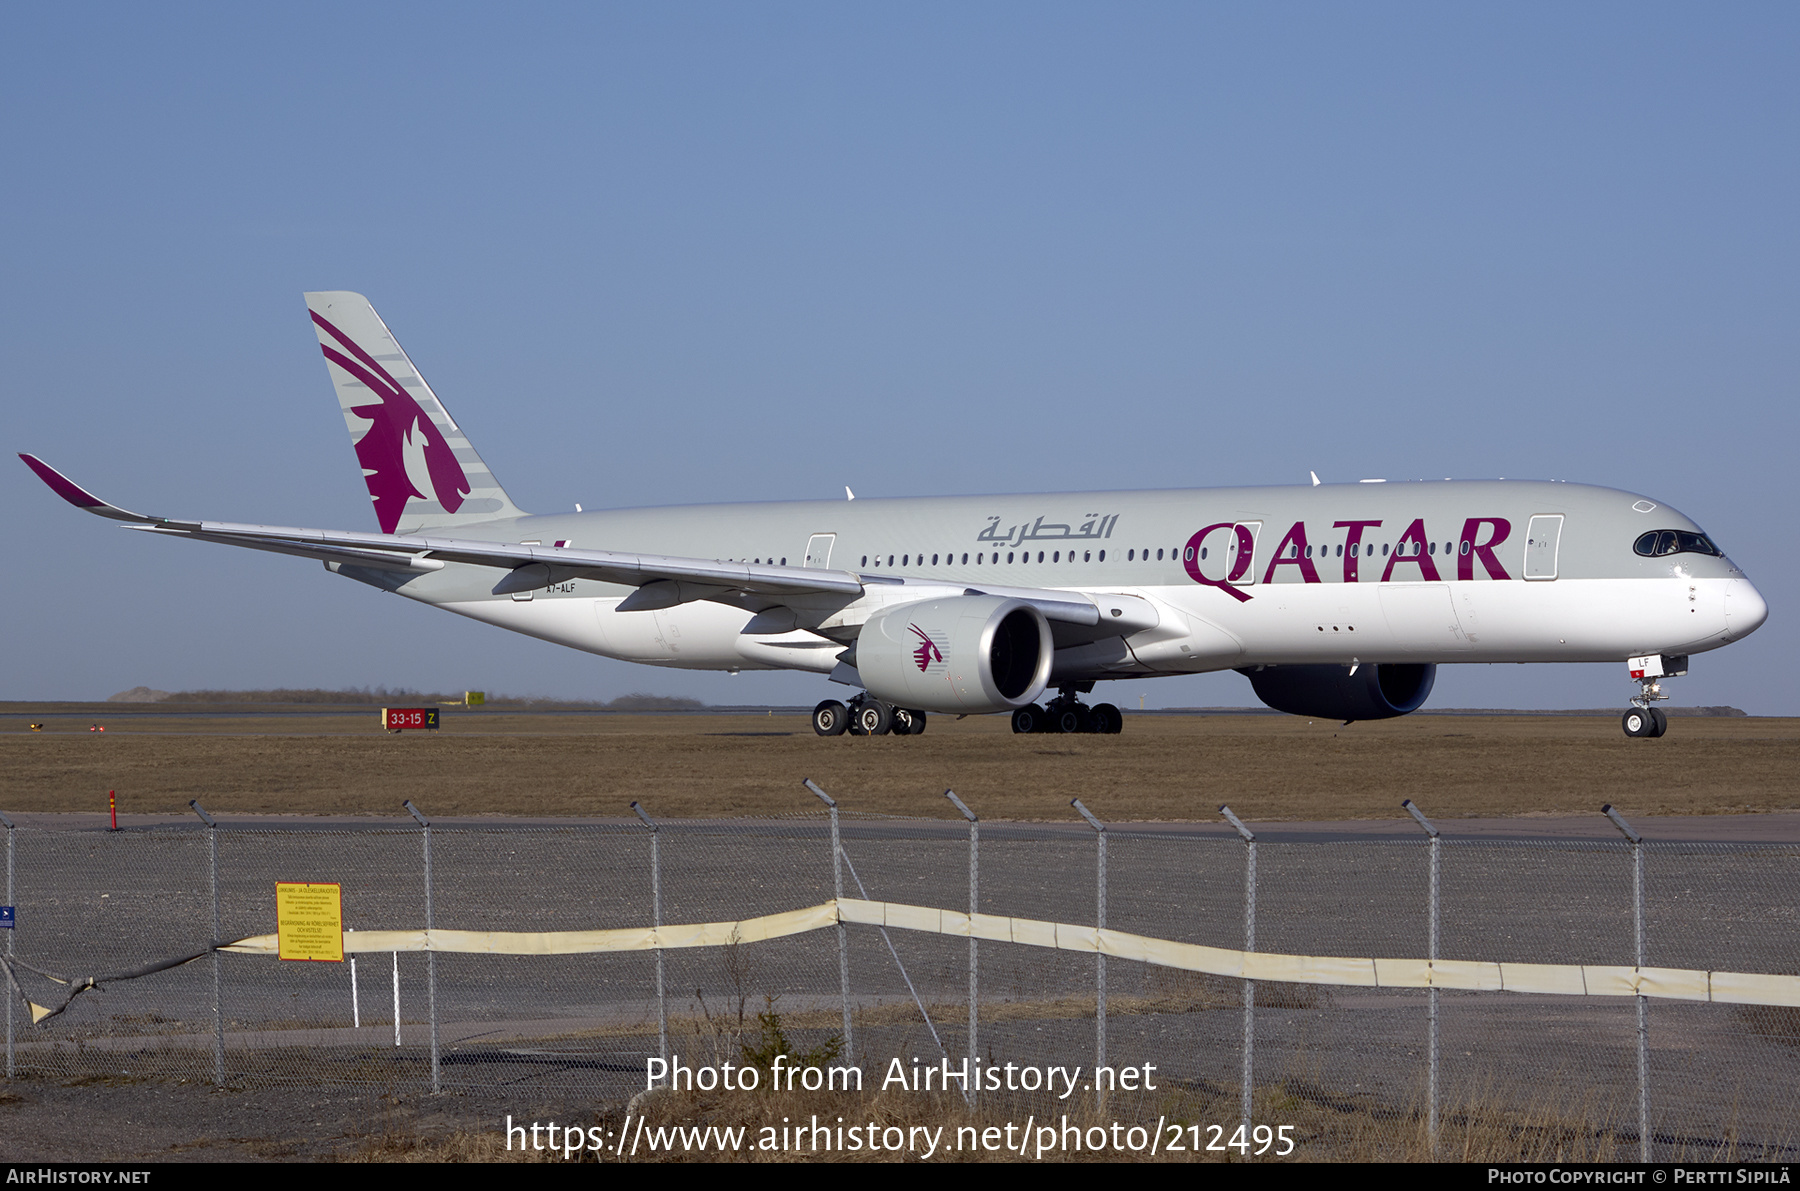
(1337, 600)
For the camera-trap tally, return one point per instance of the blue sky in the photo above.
(675, 253)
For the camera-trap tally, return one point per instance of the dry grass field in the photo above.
(1163, 767)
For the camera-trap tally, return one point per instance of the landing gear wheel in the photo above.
(1644, 717)
(1106, 719)
(875, 718)
(915, 724)
(1072, 717)
(830, 718)
(1029, 718)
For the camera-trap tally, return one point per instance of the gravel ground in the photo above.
(123, 1120)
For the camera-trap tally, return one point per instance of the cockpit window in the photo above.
(1659, 542)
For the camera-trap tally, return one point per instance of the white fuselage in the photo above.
(1491, 571)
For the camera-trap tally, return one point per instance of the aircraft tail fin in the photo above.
(422, 471)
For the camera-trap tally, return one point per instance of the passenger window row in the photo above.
(984, 559)
(1655, 543)
(1404, 549)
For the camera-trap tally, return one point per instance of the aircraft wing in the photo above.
(662, 580)
(526, 567)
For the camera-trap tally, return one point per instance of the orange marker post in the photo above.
(112, 805)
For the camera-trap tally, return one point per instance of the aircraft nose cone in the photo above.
(1745, 609)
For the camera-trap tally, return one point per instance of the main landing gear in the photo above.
(1641, 719)
(866, 716)
(1066, 713)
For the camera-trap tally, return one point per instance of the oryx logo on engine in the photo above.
(927, 652)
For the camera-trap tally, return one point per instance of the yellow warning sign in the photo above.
(309, 920)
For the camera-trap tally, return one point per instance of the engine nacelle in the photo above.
(963, 655)
(1374, 692)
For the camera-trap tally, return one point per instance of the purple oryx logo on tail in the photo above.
(927, 652)
(402, 451)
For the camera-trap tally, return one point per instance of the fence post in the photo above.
(911, 988)
(218, 1008)
(1643, 1022)
(1249, 839)
(662, 1004)
(1431, 954)
(396, 998)
(1099, 955)
(437, 1084)
(355, 1003)
(837, 893)
(974, 908)
(11, 1066)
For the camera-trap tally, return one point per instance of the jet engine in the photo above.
(1373, 692)
(962, 655)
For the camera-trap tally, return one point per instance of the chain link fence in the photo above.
(1386, 1072)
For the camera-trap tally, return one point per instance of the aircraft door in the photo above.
(1224, 553)
(1542, 540)
(818, 550)
(1241, 551)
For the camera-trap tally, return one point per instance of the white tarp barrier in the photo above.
(1738, 988)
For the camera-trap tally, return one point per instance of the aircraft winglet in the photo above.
(78, 496)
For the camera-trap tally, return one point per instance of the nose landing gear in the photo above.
(1642, 720)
